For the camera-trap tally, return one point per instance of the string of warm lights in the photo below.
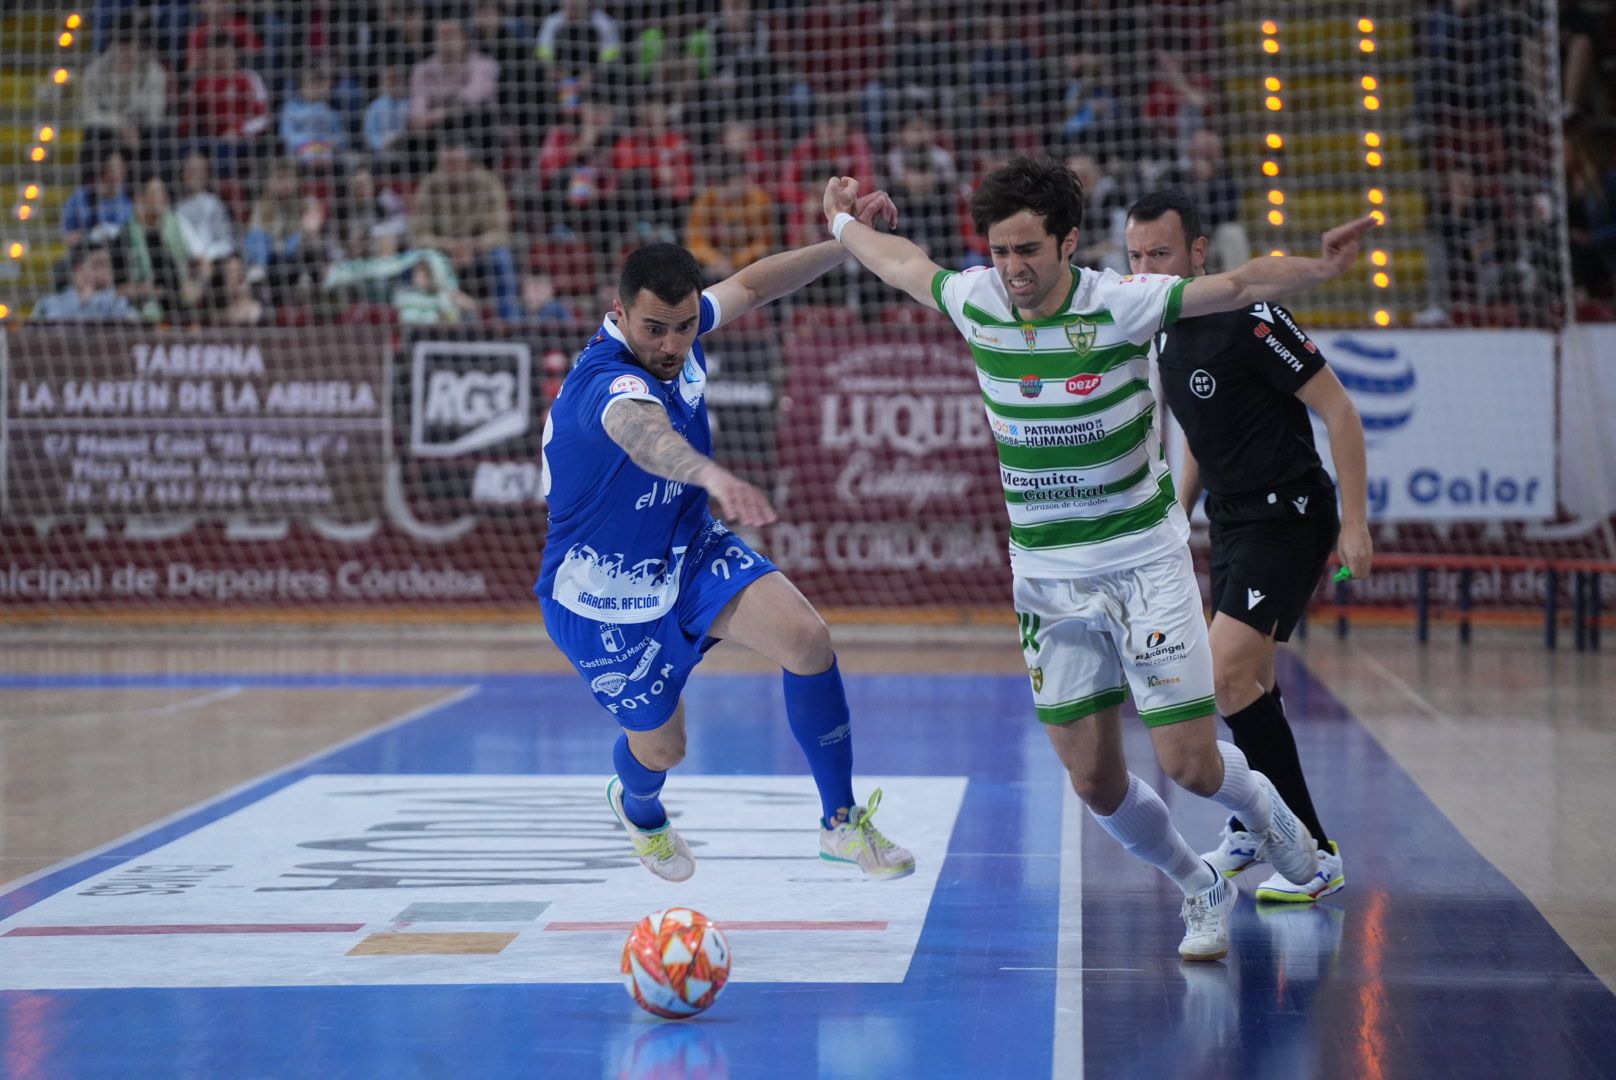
(1374, 159)
(39, 152)
(1274, 101)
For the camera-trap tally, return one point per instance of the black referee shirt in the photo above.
(1231, 380)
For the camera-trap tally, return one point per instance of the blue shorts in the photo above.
(638, 670)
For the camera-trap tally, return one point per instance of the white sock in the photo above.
(1142, 826)
(1240, 792)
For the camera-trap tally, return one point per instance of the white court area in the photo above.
(424, 879)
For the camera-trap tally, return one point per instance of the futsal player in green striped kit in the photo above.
(1104, 589)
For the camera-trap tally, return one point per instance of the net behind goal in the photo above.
(288, 288)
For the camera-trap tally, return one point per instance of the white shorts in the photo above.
(1089, 640)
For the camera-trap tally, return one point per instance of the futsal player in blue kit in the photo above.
(640, 578)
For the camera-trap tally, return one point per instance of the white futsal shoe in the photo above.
(1287, 845)
(661, 850)
(1330, 878)
(1206, 921)
(1236, 851)
(858, 841)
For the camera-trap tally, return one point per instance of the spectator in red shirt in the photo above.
(575, 172)
(834, 141)
(227, 110)
(655, 169)
(219, 17)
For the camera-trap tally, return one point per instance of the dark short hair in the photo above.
(1042, 185)
(83, 250)
(1159, 202)
(668, 270)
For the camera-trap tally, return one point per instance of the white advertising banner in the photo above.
(1588, 421)
(1459, 424)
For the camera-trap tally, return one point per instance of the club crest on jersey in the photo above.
(1029, 334)
(1081, 336)
(1083, 385)
(1031, 386)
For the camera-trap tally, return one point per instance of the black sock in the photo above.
(1261, 731)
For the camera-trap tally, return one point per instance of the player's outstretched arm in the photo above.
(1324, 394)
(1274, 277)
(895, 260)
(646, 435)
(782, 274)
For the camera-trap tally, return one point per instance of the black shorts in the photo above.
(1268, 551)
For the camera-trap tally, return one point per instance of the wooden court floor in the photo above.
(1515, 745)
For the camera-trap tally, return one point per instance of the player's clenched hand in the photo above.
(1355, 550)
(1341, 244)
(841, 196)
(733, 499)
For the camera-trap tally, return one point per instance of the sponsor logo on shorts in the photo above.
(611, 637)
(1158, 651)
(611, 683)
(1162, 680)
(1300, 502)
(1253, 598)
(640, 700)
(1083, 385)
(1031, 386)
(644, 666)
(1037, 676)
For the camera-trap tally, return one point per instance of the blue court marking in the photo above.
(1429, 963)
(994, 908)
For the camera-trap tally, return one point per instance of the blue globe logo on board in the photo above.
(1380, 381)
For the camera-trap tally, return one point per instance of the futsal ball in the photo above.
(675, 962)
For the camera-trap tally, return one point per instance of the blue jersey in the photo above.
(619, 535)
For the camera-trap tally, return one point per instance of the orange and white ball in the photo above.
(675, 962)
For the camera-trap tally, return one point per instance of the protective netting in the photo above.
(288, 287)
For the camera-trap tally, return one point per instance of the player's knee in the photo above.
(662, 755)
(1197, 773)
(1101, 789)
(809, 650)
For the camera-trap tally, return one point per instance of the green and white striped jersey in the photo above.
(1070, 405)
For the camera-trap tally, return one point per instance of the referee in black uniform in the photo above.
(1241, 384)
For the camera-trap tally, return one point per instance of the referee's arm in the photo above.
(1324, 394)
(1274, 277)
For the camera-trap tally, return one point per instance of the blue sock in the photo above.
(641, 788)
(817, 708)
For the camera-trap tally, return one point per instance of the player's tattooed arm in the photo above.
(642, 429)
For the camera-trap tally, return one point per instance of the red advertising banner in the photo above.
(344, 467)
(888, 487)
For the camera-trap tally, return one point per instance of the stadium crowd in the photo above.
(422, 162)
